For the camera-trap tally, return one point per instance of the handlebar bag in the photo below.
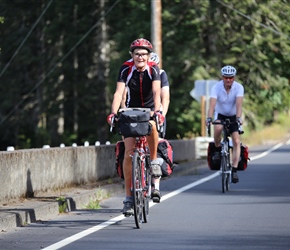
(134, 123)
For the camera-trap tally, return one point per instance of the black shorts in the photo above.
(233, 127)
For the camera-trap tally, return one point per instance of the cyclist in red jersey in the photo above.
(142, 80)
(165, 92)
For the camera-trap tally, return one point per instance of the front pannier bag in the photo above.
(119, 153)
(243, 162)
(134, 123)
(213, 157)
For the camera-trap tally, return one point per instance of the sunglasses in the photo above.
(228, 77)
(141, 54)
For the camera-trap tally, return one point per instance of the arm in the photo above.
(124, 97)
(120, 89)
(165, 99)
(212, 103)
(165, 92)
(239, 105)
(156, 94)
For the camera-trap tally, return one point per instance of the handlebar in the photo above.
(159, 128)
(157, 122)
(112, 124)
(226, 122)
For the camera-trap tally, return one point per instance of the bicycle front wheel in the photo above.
(228, 175)
(147, 189)
(137, 189)
(223, 173)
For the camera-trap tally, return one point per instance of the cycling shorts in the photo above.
(233, 127)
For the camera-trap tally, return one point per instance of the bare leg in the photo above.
(153, 144)
(152, 140)
(218, 134)
(236, 149)
(127, 164)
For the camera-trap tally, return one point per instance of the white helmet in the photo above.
(154, 58)
(228, 71)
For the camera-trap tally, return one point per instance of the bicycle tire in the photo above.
(147, 191)
(223, 173)
(228, 168)
(137, 189)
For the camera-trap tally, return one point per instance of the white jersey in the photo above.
(226, 102)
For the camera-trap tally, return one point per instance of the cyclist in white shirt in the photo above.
(226, 100)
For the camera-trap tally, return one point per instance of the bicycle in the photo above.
(141, 175)
(225, 165)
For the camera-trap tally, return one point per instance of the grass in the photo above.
(278, 131)
(95, 203)
(62, 204)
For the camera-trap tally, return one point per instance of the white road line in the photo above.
(84, 233)
(105, 224)
(266, 152)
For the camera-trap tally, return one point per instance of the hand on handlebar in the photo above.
(208, 121)
(160, 117)
(239, 120)
(110, 118)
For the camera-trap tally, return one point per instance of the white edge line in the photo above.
(267, 152)
(84, 233)
(105, 224)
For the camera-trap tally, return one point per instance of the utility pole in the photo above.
(156, 28)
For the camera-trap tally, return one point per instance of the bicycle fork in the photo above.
(225, 154)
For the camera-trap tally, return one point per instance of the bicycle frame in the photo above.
(141, 176)
(141, 180)
(142, 149)
(225, 168)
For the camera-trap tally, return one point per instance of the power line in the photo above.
(248, 17)
(55, 66)
(24, 40)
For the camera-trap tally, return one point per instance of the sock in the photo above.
(156, 186)
(156, 183)
(234, 170)
(128, 199)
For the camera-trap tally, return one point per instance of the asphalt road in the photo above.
(193, 214)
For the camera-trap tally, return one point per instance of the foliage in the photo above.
(59, 86)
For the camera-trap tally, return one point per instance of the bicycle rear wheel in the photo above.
(138, 199)
(147, 191)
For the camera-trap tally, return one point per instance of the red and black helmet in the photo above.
(142, 44)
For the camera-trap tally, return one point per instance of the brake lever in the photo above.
(112, 124)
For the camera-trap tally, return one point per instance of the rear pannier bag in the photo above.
(214, 162)
(134, 123)
(213, 157)
(243, 162)
(120, 152)
(165, 152)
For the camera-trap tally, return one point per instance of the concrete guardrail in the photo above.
(23, 173)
